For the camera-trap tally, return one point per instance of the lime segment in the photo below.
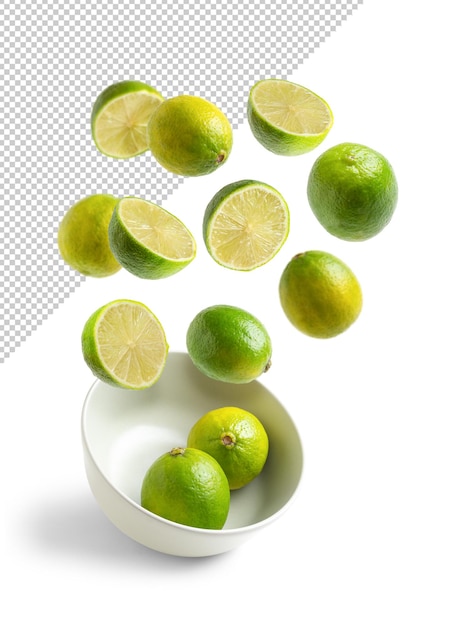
(124, 344)
(149, 241)
(245, 225)
(120, 116)
(286, 118)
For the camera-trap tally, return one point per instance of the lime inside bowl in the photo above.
(124, 431)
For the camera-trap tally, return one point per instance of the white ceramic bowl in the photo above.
(124, 431)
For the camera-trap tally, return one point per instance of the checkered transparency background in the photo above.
(57, 56)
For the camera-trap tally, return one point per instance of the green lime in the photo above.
(319, 294)
(353, 192)
(189, 487)
(236, 439)
(229, 344)
(286, 118)
(83, 236)
(189, 136)
(149, 241)
(120, 116)
(245, 225)
(124, 345)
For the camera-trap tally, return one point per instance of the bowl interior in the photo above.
(125, 431)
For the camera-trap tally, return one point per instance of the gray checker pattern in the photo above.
(57, 56)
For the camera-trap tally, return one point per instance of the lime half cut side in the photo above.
(120, 116)
(245, 225)
(149, 241)
(124, 344)
(286, 118)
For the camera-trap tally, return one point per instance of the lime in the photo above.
(245, 225)
(83, 236)
(189, 487)
(353, 192)
(236, 439)
(120, 116)
(319, 294)
(286, 118)
(149, 241)
(229, 344)
(189, 136)
(124, 345)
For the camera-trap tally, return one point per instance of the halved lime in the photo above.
(286, 118)
(148, 241)
(120, 116)
(245, 224)
(124, 345)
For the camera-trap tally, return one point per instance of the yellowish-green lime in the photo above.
(236, 439)
(189, 487)
(229, 344)
(245, 225)
(353, 192)
(320, 294)
(120, 116)
(124, 345)
(149, 241)
(189, 136)
(83, 236)
(286, 118)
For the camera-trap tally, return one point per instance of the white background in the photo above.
(367, 540)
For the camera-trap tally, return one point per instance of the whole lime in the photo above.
(229, 344)
(187, 486)
(83, 236)
(352, 190)
(236, 439)
(320, 294)
(189, 136)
